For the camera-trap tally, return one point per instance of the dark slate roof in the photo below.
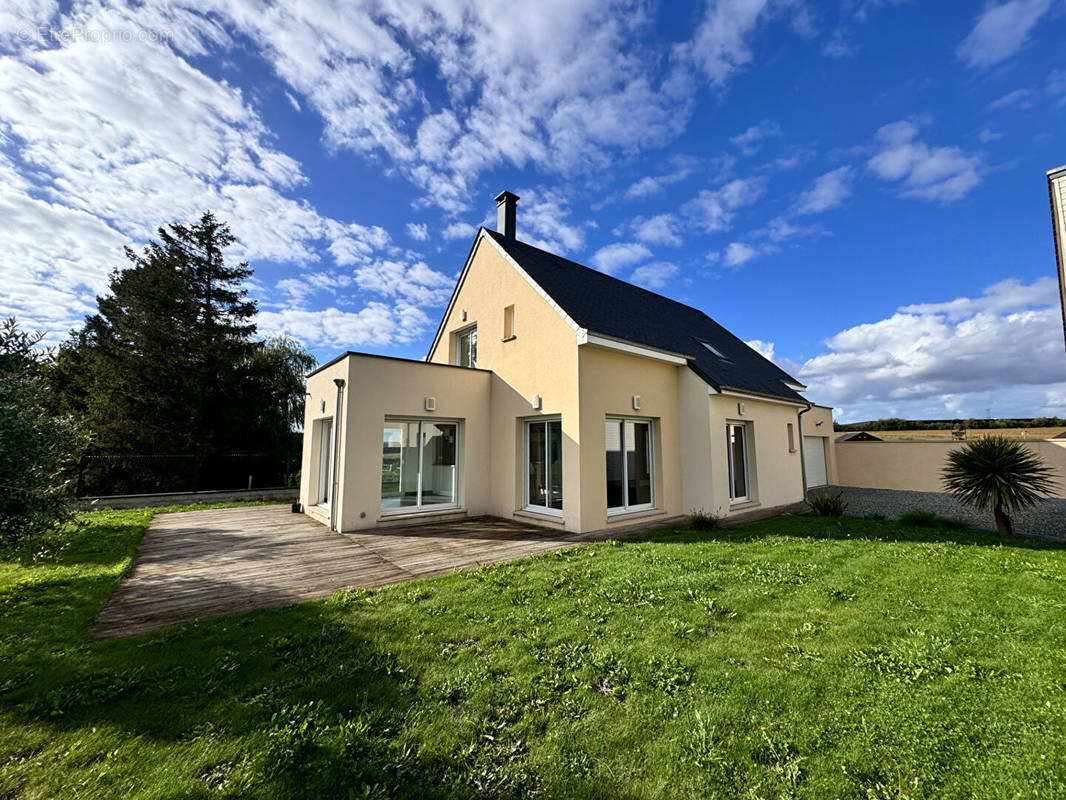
(611, 307)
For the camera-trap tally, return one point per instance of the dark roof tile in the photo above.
(611, 307)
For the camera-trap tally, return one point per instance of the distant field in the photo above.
(972, 433)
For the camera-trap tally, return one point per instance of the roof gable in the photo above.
(611, 307)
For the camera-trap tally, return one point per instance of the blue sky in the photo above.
(857, 188)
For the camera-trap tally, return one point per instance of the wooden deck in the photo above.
(197, 564)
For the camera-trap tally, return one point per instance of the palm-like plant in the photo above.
(998, 473)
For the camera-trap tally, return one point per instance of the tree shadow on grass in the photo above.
(314, 698)
(855, 529)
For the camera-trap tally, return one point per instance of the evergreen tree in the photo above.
(169, 365)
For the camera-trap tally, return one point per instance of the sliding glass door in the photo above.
(629, 465)
(544, 466)
(419, 465)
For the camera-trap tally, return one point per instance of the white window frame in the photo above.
(325, 462)
(625, 508)
(746, 498)
(419, 507)
(459, 336)
(526, 504)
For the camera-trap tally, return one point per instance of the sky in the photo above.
(856, 188)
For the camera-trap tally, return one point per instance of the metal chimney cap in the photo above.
(505, 195)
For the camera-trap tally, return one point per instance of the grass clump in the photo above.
(827, 504)
(700, 520)
(793, 657)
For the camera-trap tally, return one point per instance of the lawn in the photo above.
(798, 657)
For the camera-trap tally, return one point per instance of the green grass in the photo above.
(798, 657)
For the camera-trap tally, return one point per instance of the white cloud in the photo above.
(543, 216)
(656, 184)
(940, 174)
(376, 324)
(660, 229)
(418, 231)
(1019, 98)
(988, 135)
(459, 230)
(737, 254)
(571, 90)
(655, 275)
(721, 45)
(112, 137)
(619, 255)
(829, 190)
(1003, 349)
(714, 209)
(752, 139)
(1001, 31)
(764, 349)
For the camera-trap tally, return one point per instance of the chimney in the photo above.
(505, 213)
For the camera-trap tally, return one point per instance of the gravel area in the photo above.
(1047, 519)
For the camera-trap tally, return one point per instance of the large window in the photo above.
(737, 441)
(544, 466)
(466, 347)
(418, 465)
(629, 465)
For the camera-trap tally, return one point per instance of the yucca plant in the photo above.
(997, 473)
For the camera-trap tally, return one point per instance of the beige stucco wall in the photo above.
(916, 466)
(775, 474)
(608, 381)
(378, 387)
(540, 359)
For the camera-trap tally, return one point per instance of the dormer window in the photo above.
(466, 347)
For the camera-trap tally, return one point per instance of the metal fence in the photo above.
(135, 473)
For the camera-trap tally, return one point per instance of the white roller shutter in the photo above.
(814, 460)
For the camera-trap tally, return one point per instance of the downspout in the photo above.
(336, 455)
(803, 456)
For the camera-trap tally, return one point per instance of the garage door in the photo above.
(814, 460)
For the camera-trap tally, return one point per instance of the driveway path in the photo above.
(197, 564)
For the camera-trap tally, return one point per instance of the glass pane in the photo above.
(638, 462)
(438, 463)
(555, 464)
(615, 479)
(538, 484)
(738, 461)
(467, 346)
(399, 465)
(325, 462)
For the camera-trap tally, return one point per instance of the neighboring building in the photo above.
(859, 436)
(1056, 183)
(562, 396)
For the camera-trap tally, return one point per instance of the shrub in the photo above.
(827, 504)
(38, 445)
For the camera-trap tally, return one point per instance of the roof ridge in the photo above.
(504, 241)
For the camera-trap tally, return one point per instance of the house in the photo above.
(859, 436)
(560, 396)
(1056, 184)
